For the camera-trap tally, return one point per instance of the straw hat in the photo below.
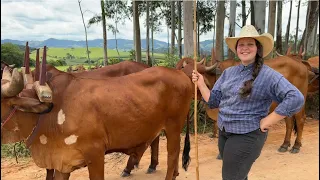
(265, 39)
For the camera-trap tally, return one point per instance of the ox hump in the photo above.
(61, 117)
(71, 139)
(43, 139)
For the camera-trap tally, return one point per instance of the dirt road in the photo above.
(271, 165)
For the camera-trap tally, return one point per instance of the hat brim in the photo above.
(265, 40)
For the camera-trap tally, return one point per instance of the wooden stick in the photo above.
(195, 84)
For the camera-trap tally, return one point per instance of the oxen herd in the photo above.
(119, 108)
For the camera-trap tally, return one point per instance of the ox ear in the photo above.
(30, 105)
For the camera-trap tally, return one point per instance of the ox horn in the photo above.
(303, 53)
(289, 51)
(15, 84)
(278, 54)
(201, 62)
(210, 68)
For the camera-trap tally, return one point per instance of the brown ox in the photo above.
(292, 70)
(120, 69)
(314, 62)
(313, 68)
(119, 121)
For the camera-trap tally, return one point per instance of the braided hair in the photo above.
(258, 63)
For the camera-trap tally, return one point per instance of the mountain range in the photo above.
(123, 44)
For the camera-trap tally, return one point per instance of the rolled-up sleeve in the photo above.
(215, 93)
(290, 100)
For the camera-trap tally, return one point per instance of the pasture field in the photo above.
(74, 56)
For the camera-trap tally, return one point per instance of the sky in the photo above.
(38, 20)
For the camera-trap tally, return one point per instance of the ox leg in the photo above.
(134, 159)
(215, 129)
(289, 126)
(50, 173)
(61, 176)
(173, 148)
(300, 119)
(94, 158)
(154, 155)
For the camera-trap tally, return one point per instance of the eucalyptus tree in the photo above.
(288, 28)
(113, 10)
(205, 14)
(85, 30)
(297, 28)
(312, 17)
(220, 29)
(279, 27)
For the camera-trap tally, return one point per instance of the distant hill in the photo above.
(123, 44)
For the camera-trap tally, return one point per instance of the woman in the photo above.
(243, 95)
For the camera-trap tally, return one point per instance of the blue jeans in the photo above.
(239, 152)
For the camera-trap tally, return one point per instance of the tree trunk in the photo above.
(220, 30)
(232, 20)
(288, 29)
(179, 30)
(115, 36)
(137, 31)
(173, 26)
(272, 17)
(85, 30)
(168, 42)
(244, 13)
(152, 26)
(297, 29)
(104, 30)
(311, 21)
(312, 40)
(315, 44)
(279, 28)
(271, 21)
(260, 15)
(252, 13)
(188, 28)
(147, 38)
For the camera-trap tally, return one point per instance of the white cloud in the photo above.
(61, 19)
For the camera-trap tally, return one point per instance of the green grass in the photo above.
(80, 56)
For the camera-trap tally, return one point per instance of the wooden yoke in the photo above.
(42, 89)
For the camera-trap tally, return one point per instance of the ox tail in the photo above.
(295, 126)
(186, 150)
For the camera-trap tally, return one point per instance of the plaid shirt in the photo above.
(242, 115)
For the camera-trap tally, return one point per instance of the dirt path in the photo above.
(271, 165)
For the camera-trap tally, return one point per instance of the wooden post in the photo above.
(195, 84)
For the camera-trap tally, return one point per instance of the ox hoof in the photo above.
(219, 157)
(151, 170)
(125, 174)
(295, 150)
(283, 149)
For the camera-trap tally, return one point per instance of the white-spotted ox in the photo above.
(90, 117)
(120, 69)
(293, 71)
